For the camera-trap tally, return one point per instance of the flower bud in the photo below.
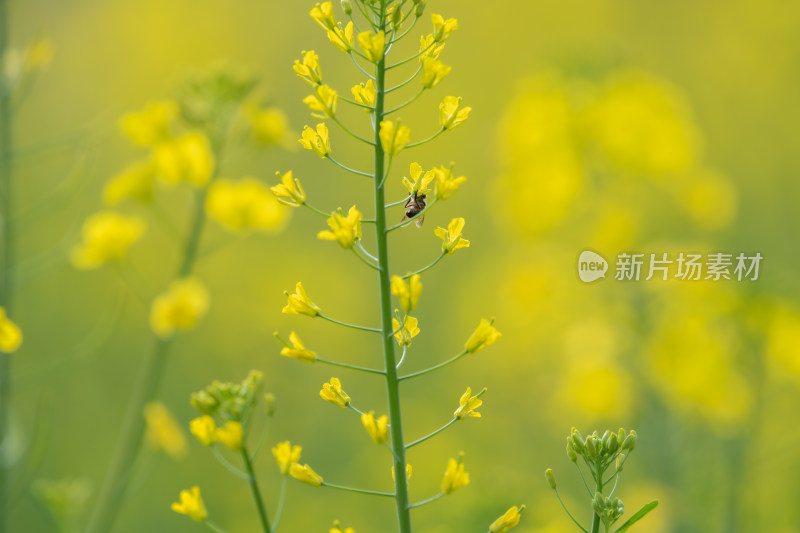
(598, 503)
(630, 441)
(591, 446)
(269, 403)
(613, 444)
(571, 452)
(551, 479)
(347, 7)
(420, 8)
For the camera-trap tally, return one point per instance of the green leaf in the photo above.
(638, 516)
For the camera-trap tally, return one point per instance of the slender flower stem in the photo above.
(361, 247)
(599, 480)
(407, 102)
(262, 439)
(429, 139)
(403, 356)
(433, 434)
(585, 484)
(412, 58)
(395, 39)
(262, 512)
(362, 328)
(563, 506)
(359, 104)
(423, 269)
(355, 136)
(399, 202)
(213, 527)
(408, 221)
(364, 260)
(332, 160)
(403, 84)
(437, 367)
(281, 501)
(356, 63)
(228, 466)
(429, 500)
(360, 491)
(351, 367)
(317, 211)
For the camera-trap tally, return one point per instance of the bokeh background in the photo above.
(611, 125)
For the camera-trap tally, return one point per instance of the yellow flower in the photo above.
(344, 229)
(305, 474)
(163, 432)
(39, 55)
(407, 293)
(468, 405)
(191, 504)
(323, 14)
(185, 302)
(332, 392)
(231, 435)
(187, 158)
(378, 428)
(372, 45)
(484, 335)
(337, 528)
(299, 304)
(446, 184)
(150, 125)
(106, 236)
(342, 39)
(135, 182)
(286, 455)
(10, 334)
(316, 140)
(420, 182)
(308, 70)
(433, 71)
(429, 48)
(364, 93)
(450, 115)
(451, 236)
(245, 205)
(442, 28)
(507, 521)
(409, 470)
(289, 191)
(298, 350)
(409, 331)
(391, 140)
(204, 429)
(323, 102)
(454, 476)
(269, 126)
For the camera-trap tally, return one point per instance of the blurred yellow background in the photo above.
(608, 125)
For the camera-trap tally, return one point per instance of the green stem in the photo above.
(262, 512)
(281, 501)
(429, 139)
(360, 491)
(354, 135)
(433, 434)
(423, 269)
(213, 527)
(339, 322)
(351, 367)
(437, 367)
(354, 171)
(392, 381)
(564, 506)
(599, 480)
(429, 500)
(407, 102)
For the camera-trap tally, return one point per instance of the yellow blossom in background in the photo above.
(454, 476)
(419, 181)
(509, 519)
(450, 115)
(372, 45)
(151, 125)
(323, 14)
(184, 303)
(332, 392)
(163, 432)
(10, 334)
(393, 139)
(308, 70)
(245, 205)
(322, 102)
(134, 183)
(446, 184)
(364, 93)
(286, 455)
(710, 199)
(468, 405)
(204, 429)
(344, 229)
(407, 292)
(305, 474)
(187, 158)
(317, 141)
(342, 38)
(289, 191)
(409, 471)
(269, 126)
(299, 304)
(378, 428)
(408, 331)
(38, 55)
(337, 528)
(191, 504)
(298, 350)
(484, 335)
(433, 71)
(231, 435)
(442, 28)
(106, 236)
(429, 48)
(451, 236)
(783, 342)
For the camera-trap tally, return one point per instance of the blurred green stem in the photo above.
(599, 479)
(262, 512)
(117, 477)
(6, 249)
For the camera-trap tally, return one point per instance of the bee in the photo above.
(414, 206)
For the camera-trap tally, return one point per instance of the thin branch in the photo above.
(423, 269)
(345, 128)
(407, 102)
(358, 172)
(432, 137)
(362, 328)
(433, 434)
(403, 84)
(429, 500)
(437, 367)
(351, 367)
(361, 491)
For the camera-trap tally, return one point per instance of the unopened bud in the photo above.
(420, 8)
(613, 443)
(591, 447)
(347, 7)
(598, 503)
(269, 403)
(397, 17)
(604, 440)
(551, 479)
(571, 452)
(618, 464)
(630, 441)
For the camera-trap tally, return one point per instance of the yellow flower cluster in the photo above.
(162, 431)
(106, 236)
(191, 504)
(454, 476)
(207, 432)
(344, 229)
(332, 392)
(286, 455)
(184, 303)
(245, 205)
(378, 428)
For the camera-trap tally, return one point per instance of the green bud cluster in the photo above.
(600, 450)
(229, 401)
(609, 509)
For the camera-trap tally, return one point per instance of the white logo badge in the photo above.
(591, 266)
